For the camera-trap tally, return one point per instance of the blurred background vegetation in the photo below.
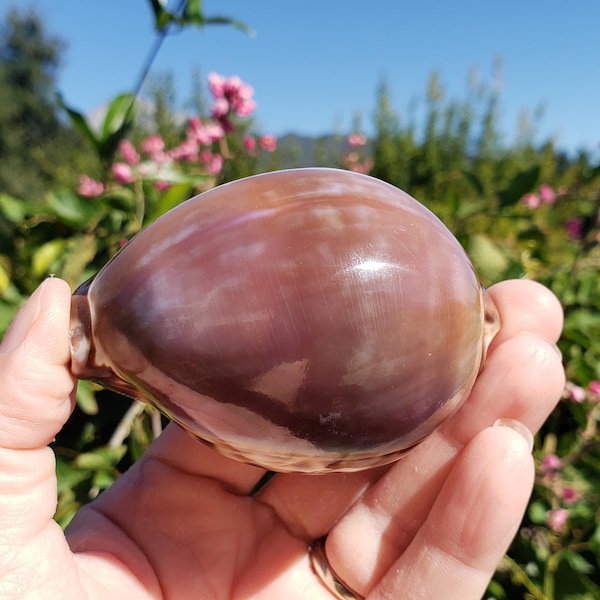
(72, 193)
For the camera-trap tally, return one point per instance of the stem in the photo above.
(140, 205)
(587, 440)
(551, 567)
(153, 53)
(125, 424)
(521, 577)
(155, 422)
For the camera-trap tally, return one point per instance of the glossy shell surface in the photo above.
(303, 320)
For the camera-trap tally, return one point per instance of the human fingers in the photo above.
(471, 524)
(185, 454)
(508, 386)
(526, 305)
(522, 380)
(36, 386)
(35, 400)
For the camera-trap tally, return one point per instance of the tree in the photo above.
(33, 141)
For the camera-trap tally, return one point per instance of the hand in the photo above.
(180, 523)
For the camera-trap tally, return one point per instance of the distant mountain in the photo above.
(293, 149)
(296, 150)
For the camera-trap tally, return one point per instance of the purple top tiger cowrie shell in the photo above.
(304, 320)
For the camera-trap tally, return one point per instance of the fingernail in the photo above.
(557, 350)
(519, 428)
(22, 323)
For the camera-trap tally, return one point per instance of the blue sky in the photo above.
(316, 64)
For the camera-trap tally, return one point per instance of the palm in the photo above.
(180, 524)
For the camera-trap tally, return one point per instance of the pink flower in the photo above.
(594, 387)
(531, 200)
(268, 142)
(231, 95)
(186, 151)
(547, 195)
(217, 84)
(214, 131)
(161, 186)
(220, 108)
(128, 152)
(154, 147)
(212, 162)
(249, 143)
(556, 518)
(122, 172)
(551, 462)
(362, 167)
(357, 139)
(90, 188)
(244, 107)
(240, 96)
(569, 495)
(574, 228)
(575, 393)
(205, 133)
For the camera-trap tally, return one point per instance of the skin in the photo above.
(179, 524)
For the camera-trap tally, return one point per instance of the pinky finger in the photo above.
(470, 526)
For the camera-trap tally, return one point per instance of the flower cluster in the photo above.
(577, 394)
(545, 195)
(231, 97)
(353, 161)
(563, 494)
(553, 472)
(203, 149)
(267, 142)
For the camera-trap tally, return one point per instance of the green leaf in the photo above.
(578, 563)
(219, 20)
(521, 184)
(474, 181)
(487, 257)
(119, 116)
(537, 512)
(175, 195)
(467, 209)
(158, 7)
(192, 13)
(4, 279)
(103, 479)
(104, 457)
(162, 17)
(45, 256)
(13, 209)
(73, 210)
(68, 476)
(86, 398)
(590, 174)
(80, 123)
(79, 253)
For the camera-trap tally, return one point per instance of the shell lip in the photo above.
(83, 349)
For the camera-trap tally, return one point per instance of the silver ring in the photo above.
(327, 575)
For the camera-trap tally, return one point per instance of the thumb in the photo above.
(36, 398)
(36, 386)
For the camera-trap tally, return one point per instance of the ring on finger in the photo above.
(327, 575)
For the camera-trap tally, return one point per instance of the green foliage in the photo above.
(188, 12)
(37, 150)
(115, 126)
